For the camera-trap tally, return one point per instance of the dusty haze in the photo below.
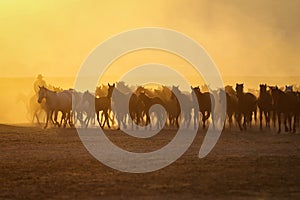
(250, 41)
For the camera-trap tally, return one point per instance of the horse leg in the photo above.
(107, 119)
(260, 119)
(294, 125)
(255, 115)
(177, 121)
(86, 121)
(279, 122)
(286, 119)
(63, 119)
(274, 119)
(290, 122)
(229, 120)
(239, 120)
(204, 118)
(266, 114)
(245, 121)
(250, 119)
(98, 119)
(37, 118)
(47, 119)
(72, 125)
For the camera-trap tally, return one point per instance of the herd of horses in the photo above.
(121, 106)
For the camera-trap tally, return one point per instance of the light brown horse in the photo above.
(247, 105)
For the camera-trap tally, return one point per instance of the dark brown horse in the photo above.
(173, 110)
(206, 102)
(104, 104)
(285, 103)
(148, 102)
(265, 105)
(136, 109)
(246, 107)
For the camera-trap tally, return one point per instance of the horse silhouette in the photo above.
(148, 103)
(55, 102)
(104, 104)
(265, 105)
(136, 109)
(206, 102)
(247, 105)
(285, 103)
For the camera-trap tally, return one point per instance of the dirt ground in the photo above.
(53, 163)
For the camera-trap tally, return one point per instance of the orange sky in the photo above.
(242, 37)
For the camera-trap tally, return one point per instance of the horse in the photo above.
(265, 105)
(120, 106)
(285, 103)
(35, 111)
(136, 109)
(186, 106)
(104, 104)
(206, 103)
(55, 102)
(148, 103)
(231, 105)
(84, 105)
(247, 105)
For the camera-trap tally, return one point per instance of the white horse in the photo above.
(186, 105)
(55, 102)
(121, 106)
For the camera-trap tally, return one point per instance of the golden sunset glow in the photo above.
(244, 38)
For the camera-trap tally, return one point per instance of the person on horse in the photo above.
(39, 82)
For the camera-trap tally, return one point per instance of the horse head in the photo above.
(263, 88)
(239, 88)
(42, 93)
(110, 90)
(175, 89)
(289, 88)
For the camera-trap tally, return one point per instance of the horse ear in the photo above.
(114, 85)
(108, 85)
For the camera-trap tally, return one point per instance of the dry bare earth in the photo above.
(53, 163)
